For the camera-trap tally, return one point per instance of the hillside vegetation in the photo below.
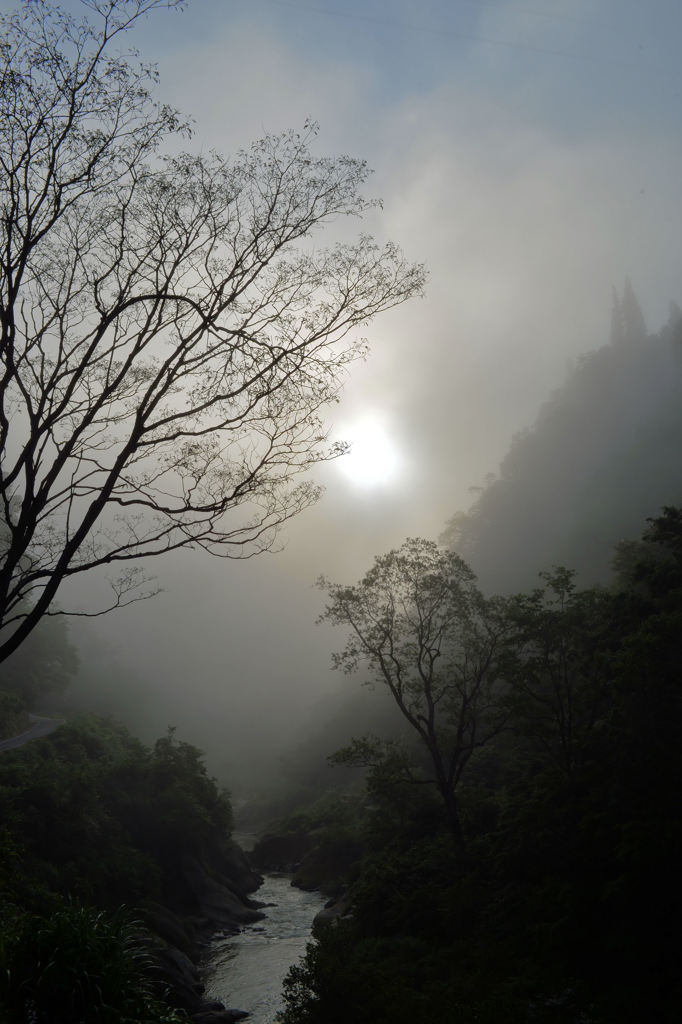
(561, 900)
(116, 863)
(603, 454)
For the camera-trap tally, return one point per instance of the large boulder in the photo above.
(237, 866)
(335, 908)
(327, 864)
(204, 901)
(173, 929)
(178, 973)
(281, 852)
(216, 902)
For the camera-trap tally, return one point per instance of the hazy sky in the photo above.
(529, 152)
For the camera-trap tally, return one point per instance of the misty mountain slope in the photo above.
(603, 454)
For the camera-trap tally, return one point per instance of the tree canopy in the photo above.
(424, 630)
(563, 904)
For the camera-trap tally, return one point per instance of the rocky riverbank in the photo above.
(248, 970)
(202, 903)
(316, 861)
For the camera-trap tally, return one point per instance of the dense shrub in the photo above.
(77, 964)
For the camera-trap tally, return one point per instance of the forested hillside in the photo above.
(603, 454)
(558, 898)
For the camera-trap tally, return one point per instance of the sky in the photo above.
(529, 153)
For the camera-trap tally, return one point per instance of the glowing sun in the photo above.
(373, 459)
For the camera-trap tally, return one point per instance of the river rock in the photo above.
(200, 901)
(281, 852)
(237, 866)
(335, 908)
(217, 902)
(179, 973)
(172, 929)
(327, 864)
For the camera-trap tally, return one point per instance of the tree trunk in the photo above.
(447, 794)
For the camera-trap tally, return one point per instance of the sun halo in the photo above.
(373, 459)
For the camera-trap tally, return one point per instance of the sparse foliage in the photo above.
(169, 333)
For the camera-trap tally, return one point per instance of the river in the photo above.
(245, 971)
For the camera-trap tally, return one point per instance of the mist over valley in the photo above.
(341, 541)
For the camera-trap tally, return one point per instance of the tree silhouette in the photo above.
(169, 333)
(423, 629)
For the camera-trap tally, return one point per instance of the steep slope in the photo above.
(603, 454)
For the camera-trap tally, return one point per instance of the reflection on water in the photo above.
(246, 971)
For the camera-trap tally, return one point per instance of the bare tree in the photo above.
(424, 630)
(170, 332)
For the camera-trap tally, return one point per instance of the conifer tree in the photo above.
(634, 328)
